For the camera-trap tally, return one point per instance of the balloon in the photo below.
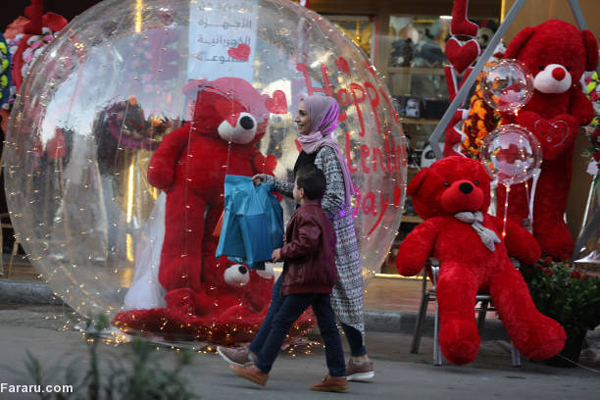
(507, 85)
(103, 94)
(511, 154)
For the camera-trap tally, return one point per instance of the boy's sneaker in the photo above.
(331, 384)
(236, 355)
(250, 372)
(360, 371)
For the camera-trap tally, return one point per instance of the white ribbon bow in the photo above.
(488, 236)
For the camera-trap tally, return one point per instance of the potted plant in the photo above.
(568, 295)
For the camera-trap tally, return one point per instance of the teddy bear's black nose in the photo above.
(242, 270)
(246, 122)
(465, 187)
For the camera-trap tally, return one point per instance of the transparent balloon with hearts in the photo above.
(104, 95)
(507, 85)
(511, 154)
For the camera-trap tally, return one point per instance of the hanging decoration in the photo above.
(26, 38)
(462, 49)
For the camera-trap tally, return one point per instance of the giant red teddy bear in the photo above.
(229, 117)
(452, 196)
(557, 53)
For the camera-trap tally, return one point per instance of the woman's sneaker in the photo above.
(236, 355)
(360, 371)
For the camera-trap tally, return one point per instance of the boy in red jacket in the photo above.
(309, 273)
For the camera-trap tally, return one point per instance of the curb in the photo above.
(31, 292)
(404, 322)
(13, 291)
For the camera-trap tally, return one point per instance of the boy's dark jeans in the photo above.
(292, 306)
(354, 337)
(265, 327)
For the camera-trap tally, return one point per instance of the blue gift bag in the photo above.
(250, 222)
(274, 214)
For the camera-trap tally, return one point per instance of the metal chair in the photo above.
(482, 306)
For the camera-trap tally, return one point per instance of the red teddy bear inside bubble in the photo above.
(229, 117)
(557, 54)
(452, 196)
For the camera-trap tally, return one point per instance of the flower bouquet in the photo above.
(568, 295)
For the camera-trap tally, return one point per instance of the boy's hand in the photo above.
(276, 255)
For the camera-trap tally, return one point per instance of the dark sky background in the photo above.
(11, 9)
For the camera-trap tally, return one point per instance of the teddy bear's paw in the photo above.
(459, 341)
(181, 299)
(236, 312)
(544, 339)
(236, 275)
(559, 244)
(160, 175)
(268, 272)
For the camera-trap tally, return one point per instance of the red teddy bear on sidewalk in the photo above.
(453, 196)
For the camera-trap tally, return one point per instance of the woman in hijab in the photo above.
(316, 121)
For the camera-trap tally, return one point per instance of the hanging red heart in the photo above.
(278, 103)
(342, 65)
(462, 55)
(241, 52)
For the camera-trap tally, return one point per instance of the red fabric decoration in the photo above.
(31, 26)
(467, 267)
(460, 25)
(454, 136)
(556, 110)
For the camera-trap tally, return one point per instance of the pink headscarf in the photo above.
(323, 112)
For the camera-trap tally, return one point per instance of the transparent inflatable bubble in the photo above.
(511, 154)
(507, 85)
(103, 95)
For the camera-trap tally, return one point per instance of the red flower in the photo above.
(547, 261)
(575, 274)
(597, 155)
(548, 271)
(596, 135)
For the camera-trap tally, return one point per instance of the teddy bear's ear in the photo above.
(416, 181)
(192, 88)
(591, 48)
(515, 45)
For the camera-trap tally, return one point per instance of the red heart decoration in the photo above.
(555, 135)
(342, 65)
(461, 55)
(553, 132)
(278, 103)
(241, 52)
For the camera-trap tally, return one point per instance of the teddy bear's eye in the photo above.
(569, 69)
(476, 183)
(446, 184)
(541, 67)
